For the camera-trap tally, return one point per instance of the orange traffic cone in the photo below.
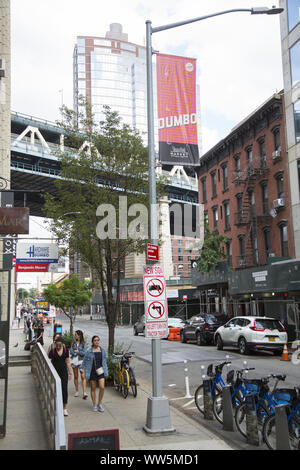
(285, 354)
(171, 334)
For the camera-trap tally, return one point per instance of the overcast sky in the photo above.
(238, 55)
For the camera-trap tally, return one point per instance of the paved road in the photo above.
(174, 353)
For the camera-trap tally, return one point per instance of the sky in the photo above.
(238, 55)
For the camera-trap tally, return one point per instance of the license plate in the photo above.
(271, 338)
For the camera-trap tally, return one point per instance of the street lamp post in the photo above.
(158, 415)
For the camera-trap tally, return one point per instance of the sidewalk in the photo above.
(25, 424)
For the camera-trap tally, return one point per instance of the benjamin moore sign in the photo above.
(14, 220)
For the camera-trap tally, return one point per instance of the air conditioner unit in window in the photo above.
(276, 153)
(278, 203)
(242, 262)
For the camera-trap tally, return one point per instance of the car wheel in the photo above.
(219, 343)
(243, 347)
(144, 332)
(199, 339)
(182, 337)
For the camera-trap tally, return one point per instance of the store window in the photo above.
(293, 13)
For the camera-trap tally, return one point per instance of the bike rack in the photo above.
(282, 428)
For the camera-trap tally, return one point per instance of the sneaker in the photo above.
(85, 395)
(76, 394)
(95, 408)
(66, 413)
(100, 408)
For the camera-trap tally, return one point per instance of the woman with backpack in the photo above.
(95, 367)
(77, 353)
(59, 356)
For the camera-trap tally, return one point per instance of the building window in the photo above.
(214, 184)
(204, 196)
(295, 61)
(239, 201)
(225, 177)
(249, 156)
(242, 250)
(229, 252)
(237, 161)
(215, 216)
(279, 181)
(180, 258)
(293, 13)
(267, 240)
(284, 239)
(262, 154)
(276, 134)
(227, 215)
(265, 198)
(297, 120)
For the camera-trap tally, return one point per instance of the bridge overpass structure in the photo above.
(35, 165)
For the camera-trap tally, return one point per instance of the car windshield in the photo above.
(269, 324)
(211, 318)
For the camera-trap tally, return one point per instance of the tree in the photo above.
(72, 295)
(22, 294)
(212, 250)
(107, 176)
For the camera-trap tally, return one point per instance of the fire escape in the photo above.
(250, 215)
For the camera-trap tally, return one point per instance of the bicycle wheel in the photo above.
(218, 405)
(116, 380)
(240, 417)
(125, 384)
(132, 382)
(199, 396)
(269, 432)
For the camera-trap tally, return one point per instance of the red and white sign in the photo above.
(177, 110)
(155, 299)
(32, 267)
(152, 252)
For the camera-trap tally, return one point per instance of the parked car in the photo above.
(200, 328)
(139, 326)
(252, 333)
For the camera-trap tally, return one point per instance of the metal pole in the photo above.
(158, 413)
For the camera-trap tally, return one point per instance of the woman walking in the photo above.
(77, 353)
(59, 356)
(95, 367)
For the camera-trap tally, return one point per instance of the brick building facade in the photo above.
(244, 186)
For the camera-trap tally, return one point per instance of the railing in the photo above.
(50, 394)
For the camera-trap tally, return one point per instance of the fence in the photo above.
(50, 394)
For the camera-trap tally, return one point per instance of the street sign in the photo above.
(152, 252)
(155, 300)
(36, 257)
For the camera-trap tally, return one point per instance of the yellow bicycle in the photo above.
(124, 377)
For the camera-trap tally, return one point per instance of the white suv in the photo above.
(252, 333)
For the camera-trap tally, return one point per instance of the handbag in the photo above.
(75, 361)
(100, 370)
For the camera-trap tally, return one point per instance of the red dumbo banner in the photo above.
(176, 108)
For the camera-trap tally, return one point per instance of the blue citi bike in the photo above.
(217, 384)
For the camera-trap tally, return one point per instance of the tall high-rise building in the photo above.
(290, 41)
(112, 71)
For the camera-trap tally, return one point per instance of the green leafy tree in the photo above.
(22, 294)
(110, 161)
(69, 297)
(212, 250)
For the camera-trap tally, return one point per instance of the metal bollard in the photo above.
(282, 428)
(228, 421)
(186, 379)
(207, 399)
(251, 421)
